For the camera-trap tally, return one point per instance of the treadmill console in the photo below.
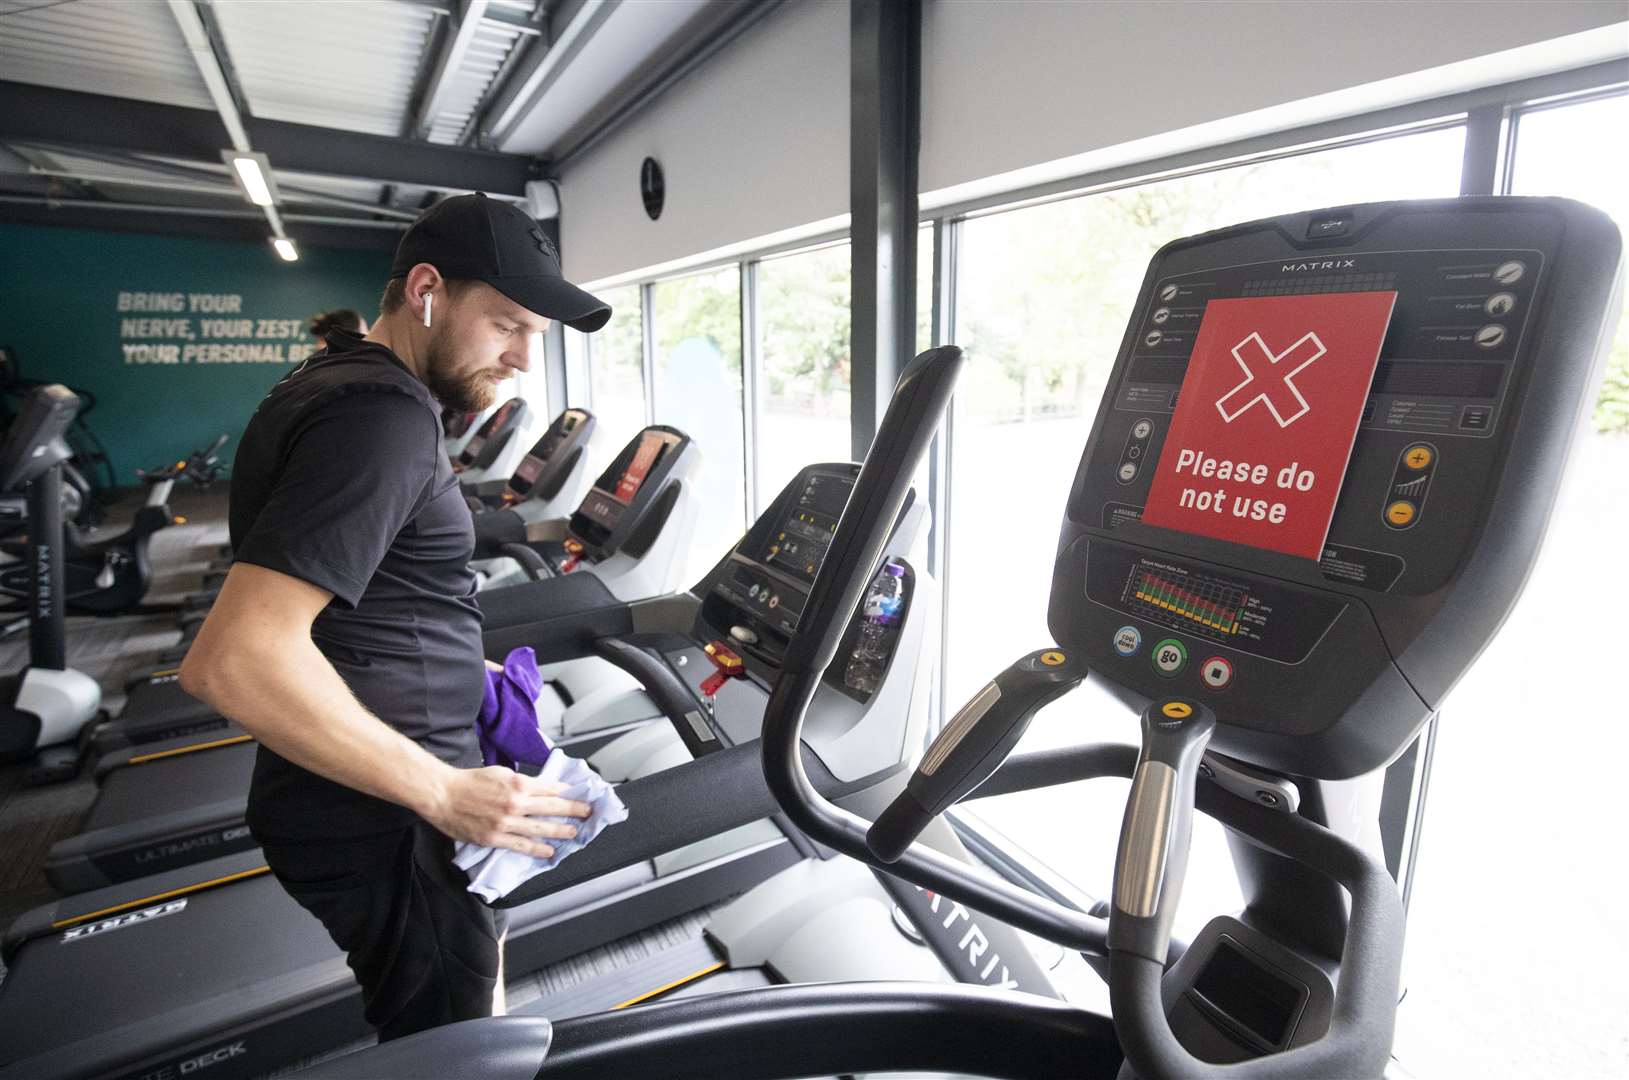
(1323, 634)
(758, 593)
(637, 485)
(34, 443)
(568, 432)
(497, 425)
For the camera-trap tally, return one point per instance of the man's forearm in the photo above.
(292, 700)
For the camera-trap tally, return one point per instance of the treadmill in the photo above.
(459, 428)
(619, 529)
(630, 530)
(248, 977)
(1332, 662)
(550, 479)
(491, 439)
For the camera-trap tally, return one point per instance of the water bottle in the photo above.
(884, 602)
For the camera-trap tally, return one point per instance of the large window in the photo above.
(803, 349)
(1487, 997)
(616, 366)
(697, 362)
(1581, 151)
(1042, 299)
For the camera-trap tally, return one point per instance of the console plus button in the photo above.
(1417, 457)
(1170, 657)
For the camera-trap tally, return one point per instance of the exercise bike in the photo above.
(111, 575)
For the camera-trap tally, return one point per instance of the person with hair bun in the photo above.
(329, 322)
(338, 319)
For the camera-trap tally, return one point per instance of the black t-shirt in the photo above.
(340, 480)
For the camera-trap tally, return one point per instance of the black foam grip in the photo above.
(897, 827)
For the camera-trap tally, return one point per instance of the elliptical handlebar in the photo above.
(914, 412)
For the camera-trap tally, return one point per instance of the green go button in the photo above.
(1170, 656)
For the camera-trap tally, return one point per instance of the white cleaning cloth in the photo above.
(496, 872)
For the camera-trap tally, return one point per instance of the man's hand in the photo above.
(498, 807)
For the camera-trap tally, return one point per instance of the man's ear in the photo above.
(423, 281)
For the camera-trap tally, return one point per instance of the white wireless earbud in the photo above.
(428, 297)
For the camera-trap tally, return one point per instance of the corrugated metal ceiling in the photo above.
(349, 65)
(360, 66)
(487, 53)
(126, 48)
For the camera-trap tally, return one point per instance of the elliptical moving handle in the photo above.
(1148, 877)
(1158, 824)
(973, 745)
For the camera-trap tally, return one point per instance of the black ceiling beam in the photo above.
(246, 226)
(45, 114)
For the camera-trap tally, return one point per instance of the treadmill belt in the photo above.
(173, 784)
(694, 967)
(134, 990)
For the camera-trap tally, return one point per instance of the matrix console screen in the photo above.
(526, 474)
(799, 544)
(644, 460)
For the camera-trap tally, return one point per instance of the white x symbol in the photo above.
(1308, 344)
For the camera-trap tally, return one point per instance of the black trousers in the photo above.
(425, 950)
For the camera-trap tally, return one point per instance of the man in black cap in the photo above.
(346, 638)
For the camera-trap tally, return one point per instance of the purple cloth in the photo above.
(507, 726)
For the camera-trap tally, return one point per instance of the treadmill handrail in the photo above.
(678, 806)
(529, 559)
(663, 687)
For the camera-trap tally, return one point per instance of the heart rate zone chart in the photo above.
(1193, 603)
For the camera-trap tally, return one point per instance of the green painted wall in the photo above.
(167, 381)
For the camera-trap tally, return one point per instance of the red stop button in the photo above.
(1217, 672)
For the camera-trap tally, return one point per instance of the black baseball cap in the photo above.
(472, 236)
